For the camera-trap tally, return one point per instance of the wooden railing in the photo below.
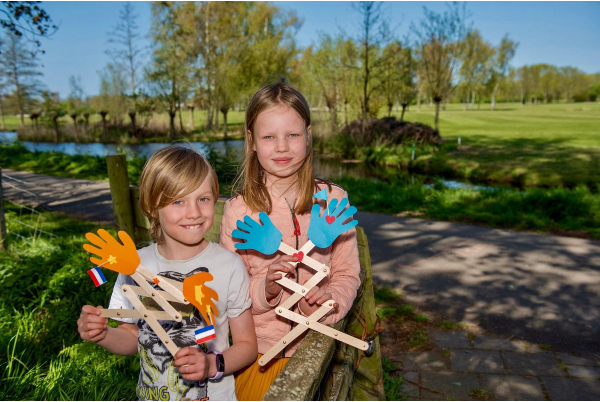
(321, 368)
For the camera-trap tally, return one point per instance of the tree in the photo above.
(391, 74)
(439, 42)
(127, 54)
(75, 102)
(326, 69)
(53, 110)
(21, 69)
(373, 35)
(408, 68)
(475, 68)
(26, 18)
(113, 86)
(169, 73)
(504, 54)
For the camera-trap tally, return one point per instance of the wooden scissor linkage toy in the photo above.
(123, 258)
(322, 232)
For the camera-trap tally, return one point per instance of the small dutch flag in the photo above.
(205, 334)
(97, 276)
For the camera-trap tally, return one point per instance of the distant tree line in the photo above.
(209, 57)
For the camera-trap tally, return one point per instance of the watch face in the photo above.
(220, 363)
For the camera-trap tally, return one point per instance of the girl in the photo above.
(278, 178)
(178, 192)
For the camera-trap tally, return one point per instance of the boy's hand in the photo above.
(90, 325)
(281, 263)
(314, 299)
(194, 364)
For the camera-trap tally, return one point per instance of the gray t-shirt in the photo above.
(159, 379)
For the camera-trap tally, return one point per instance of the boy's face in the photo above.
(186, 220)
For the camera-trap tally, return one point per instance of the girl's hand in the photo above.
(194, 364)
(90, 325)
(314, 299)
(281, 263)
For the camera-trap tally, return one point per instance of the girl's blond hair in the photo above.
(172, 173)
(250, 183)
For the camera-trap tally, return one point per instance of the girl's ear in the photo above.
(309, 130)
(249, 138)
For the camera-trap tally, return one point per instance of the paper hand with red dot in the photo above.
(323, 230)
(124, 259)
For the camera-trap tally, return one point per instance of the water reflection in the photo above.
(327, 168)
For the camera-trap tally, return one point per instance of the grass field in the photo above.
(532, 145)
(43, 285)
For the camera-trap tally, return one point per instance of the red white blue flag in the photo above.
(97, 276)
(205, 334)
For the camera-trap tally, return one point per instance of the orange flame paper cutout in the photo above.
(122, 258)
(201, 296)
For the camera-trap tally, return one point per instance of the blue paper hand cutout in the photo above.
(264, 238)
(323, 230)
(321, 195)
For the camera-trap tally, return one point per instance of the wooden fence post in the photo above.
(119, 190)
(3, 239)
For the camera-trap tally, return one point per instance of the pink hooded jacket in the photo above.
(342, 257)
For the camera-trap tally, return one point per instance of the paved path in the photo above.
(463, 368)
(543, 289)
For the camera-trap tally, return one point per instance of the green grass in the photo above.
(451, 325)
(481, 394)
(385, 294)
(421, 318)
(533, 145)
(559, 210)
(418, 339)
(392, 384)
(43, 285)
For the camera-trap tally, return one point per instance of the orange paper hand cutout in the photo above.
(201, 296)
(122, 258)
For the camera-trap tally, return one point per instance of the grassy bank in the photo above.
(90, 167)
(533, 145)
(43, 284)
(559, 211)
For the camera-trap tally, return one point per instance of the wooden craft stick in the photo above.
(157, 297)
(127, 313)
(289, 338)
(164, 294)
(291, 285)
(306, 260)
(148, 316)
(313, 324)
(295, 298)
(174, 288)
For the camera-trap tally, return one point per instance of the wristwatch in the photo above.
(220, 365)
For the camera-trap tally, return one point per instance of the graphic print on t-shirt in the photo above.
(159, 379)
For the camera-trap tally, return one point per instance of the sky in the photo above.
(558, 33)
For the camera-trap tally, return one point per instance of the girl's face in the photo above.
(280, 140)
(186, 220)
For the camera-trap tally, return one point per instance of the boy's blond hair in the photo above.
(172, 173)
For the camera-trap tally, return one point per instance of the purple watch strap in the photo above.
(220, 365)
